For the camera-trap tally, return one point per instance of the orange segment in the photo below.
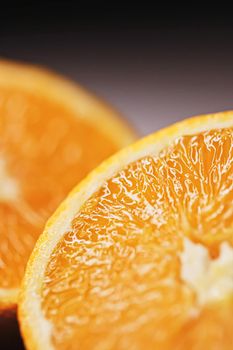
(47, 144)
(210, 329)
(114, 265)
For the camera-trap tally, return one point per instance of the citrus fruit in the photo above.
(52, 133)
(139, 255)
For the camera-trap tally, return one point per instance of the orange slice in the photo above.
(140, 256)
(52, 133)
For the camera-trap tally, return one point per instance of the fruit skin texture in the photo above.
(33, 325)
(22, 77)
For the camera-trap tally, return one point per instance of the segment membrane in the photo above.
(114, 280)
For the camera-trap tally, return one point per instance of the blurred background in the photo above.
(153, 67)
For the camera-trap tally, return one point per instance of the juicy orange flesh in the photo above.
(114, 280)
(44, 150)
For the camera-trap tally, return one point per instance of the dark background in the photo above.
(155, 65)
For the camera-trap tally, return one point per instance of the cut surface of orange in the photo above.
(52, 133)
(140, 254)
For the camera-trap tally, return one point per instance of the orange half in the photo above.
(140, 254)
(52, 133)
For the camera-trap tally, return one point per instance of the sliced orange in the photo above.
(52, 133)
(139, 255)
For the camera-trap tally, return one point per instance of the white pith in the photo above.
(59, 223)
(211, 279)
